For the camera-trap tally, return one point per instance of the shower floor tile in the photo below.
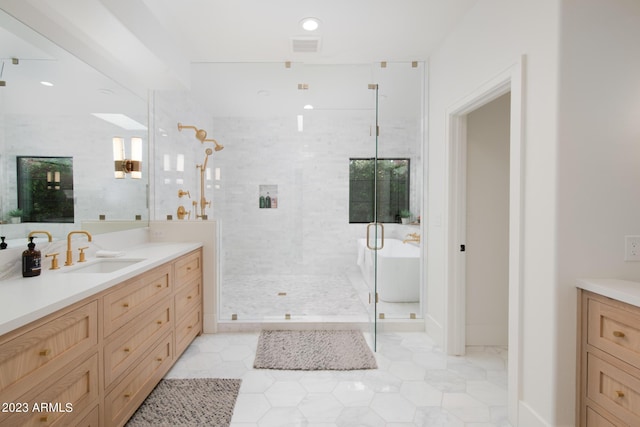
(267, 297)
(343, 297)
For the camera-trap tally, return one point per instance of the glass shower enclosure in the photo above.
(284, 188)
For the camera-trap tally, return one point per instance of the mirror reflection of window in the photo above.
(45, 189)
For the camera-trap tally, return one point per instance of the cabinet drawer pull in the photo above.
(619, 393)
(126, 349)
(159, 322)
(44, 419)
(127, 395)
(159, 359)
(45, 352)
(125, 305)
(618, 334)
(189, 297)
(190, 327)
(188, 268)
(159, 285)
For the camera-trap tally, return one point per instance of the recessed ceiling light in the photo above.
(310, 24)
(308, 107)
(49, 84)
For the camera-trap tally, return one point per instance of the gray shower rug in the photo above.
(188, 402)
(337, 350)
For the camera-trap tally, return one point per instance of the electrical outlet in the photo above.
(632, 248)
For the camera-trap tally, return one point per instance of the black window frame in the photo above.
(361, 191)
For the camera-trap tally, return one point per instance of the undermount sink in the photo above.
(104, 266)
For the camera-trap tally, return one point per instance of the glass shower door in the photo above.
(375, 229)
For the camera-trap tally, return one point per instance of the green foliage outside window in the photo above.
(45, 189)
(391, 188)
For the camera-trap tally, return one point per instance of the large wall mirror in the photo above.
(53, 106)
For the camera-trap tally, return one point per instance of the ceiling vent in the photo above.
(305, 44)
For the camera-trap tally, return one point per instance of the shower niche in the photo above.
(268, 196)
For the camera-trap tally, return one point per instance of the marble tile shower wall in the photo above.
(86, 139)
(176, 154)
(309, 231)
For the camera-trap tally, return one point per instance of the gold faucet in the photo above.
(69, 260)
(413, 237)
(40, 232)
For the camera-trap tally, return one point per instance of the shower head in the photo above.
(218, 146)
(201, 134)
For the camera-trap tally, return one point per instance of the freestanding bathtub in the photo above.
(398, 267)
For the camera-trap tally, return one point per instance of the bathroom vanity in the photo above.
(608, 392)
(86, 344)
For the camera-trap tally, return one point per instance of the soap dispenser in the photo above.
(3, 245)
(31, 260)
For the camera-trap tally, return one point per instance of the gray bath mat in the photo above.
(188, 402)
(313, 350)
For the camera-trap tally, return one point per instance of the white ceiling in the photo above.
(350, 30)
(164, 44)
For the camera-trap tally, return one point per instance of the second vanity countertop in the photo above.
(621, 290)
(25, 299)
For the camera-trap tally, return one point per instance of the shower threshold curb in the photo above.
(386, 325)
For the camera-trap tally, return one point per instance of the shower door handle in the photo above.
(375, 224)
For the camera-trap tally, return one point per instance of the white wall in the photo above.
(493, 36)
(487, 233)
(598, 158)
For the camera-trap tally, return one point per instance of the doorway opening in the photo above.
(466, 322)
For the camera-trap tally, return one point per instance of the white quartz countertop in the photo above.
(25, 299)
(621, 290)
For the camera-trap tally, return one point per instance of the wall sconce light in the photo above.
(122, 165)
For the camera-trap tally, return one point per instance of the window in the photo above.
(45, 188)
(392, 189)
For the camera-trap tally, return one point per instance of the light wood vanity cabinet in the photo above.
(134, 296)
(102, 356)
(188, 295)
(609, 356)
(53, 360)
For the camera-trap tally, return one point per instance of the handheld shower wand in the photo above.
(203, 168)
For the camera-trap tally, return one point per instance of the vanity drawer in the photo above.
(27, 358)
(125, 398)
(615, 329)
(188, 268)
(133, 297)
(615, 389)
(594, 419)
(92, 419)
(187, 297)
(187, 329)
(61, 399)
(126, 346)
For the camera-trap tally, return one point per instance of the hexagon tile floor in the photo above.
(415, 385)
